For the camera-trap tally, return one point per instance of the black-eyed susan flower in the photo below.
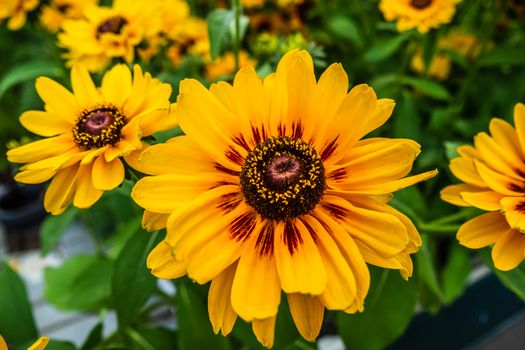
(493, 172)
(40, 344)
(421, 14)
(188, 38)
(15, 12)
(108, 32)
(57, 11)
(224, 65)
(272, 189)
(86, 133)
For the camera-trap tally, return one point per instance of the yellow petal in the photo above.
(256, 290)
(60, 192)
(163, 263)
(220, 309)
(464, 169)
(486, 200)
(35, 176)
(154, 221)
(58, 99)
(519, 122)
(451, 193)
(40, 344)
(514, 210)
(41, 149)
(299, 264)
(307, 312)
(391, 186)
(505, 135)
(498, 158)
(508, 251)
(86, 194)
(116, 85)
(44, 123)
(264, 331)
(3, 345)
(83, 87)
(482, 230)
(107, 175)
(498, 182)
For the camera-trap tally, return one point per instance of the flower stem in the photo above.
(236, 4)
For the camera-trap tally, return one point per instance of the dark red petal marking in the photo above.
(229, 202)
(291, 237)
(337, 212)
(223, 169)
(329, 149)
(264, 242)
(242, 226)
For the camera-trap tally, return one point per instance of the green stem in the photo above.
(440, 228)
(237, 35)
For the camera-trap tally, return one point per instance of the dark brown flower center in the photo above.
(111, 25)
(98, 127)
(283, 178)
(420, 4)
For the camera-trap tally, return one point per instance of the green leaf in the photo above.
(54, 227)
(81, 283)
(406, 114)
(455, 272)
(513, 279)
(344, 27)
(94, 337)
(503, 56)
(16, 321)
(384, 48)
(60, 345)
(389, 307)
(221, 27)
(157, 337)
(425, 269)
(195, 331)
(428, 87)
(132, 283)
(27, 71)
(301, 345)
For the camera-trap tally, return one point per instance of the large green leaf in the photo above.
(384, 48)
(132, 283)
(344, 27)
(513, 279)
(154, 338)
(221, 27)
(16, 319)
(388, 309)
(195, 331)
(428, 87)
(455, 273)
(53, 227)
(81, 283)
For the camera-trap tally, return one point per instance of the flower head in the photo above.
(108, 32)
(493, 173)
(88, 131)
(16, 12)
(273, 189)
(54, 14)
(420, 14)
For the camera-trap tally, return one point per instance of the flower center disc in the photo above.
(420, 4)
(98, 127)
(111, 25)
(282, 178)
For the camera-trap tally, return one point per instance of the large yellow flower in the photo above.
(16, 12)
(272, 189)
(87, 131)
(493, 173)
(57, 11)
(108, 32)
(40, 344)
(420, 14)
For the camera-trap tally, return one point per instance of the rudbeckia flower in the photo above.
(272, 189)
(57, 11)
(15, 11)
(88, 131)
(108, 32)
(420, 14)
(493, 173)
(40, 344)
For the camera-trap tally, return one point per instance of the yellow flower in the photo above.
(493, 173)
(87, 131)
(249, 4)
(420, 14)
(272, 189)
(225, 65)
(189, 37)
(59, 10)
(466, 45)
(108, 33)
(16, 11)
(40, 344)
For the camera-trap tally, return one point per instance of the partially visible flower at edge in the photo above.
(54, 14)
(287, 196)
(420, 14)
(15, 11)
(493, 175)
(88, 131)
(40, 344)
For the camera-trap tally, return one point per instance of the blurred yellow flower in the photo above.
(87, 131)
(223, 66)
(190, 37)
(420, 14)
(493, 173)
(249, 4)
(272, 189)
(57, 11)
(16, 11)
(466, 45)
(108, 32)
